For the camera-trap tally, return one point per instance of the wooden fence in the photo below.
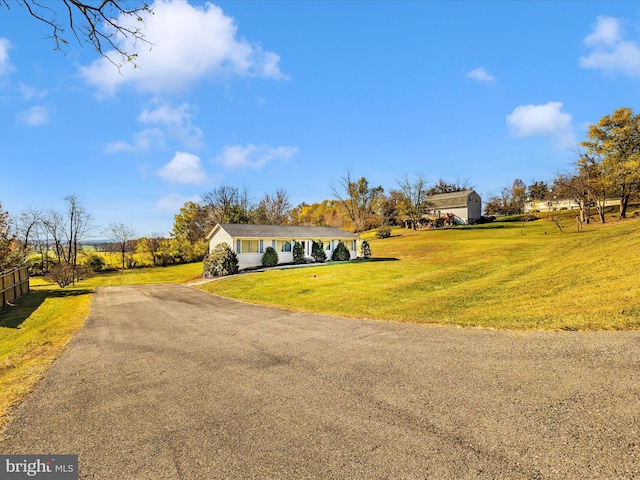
(13, 284)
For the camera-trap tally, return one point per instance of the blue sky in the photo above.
(286, 94)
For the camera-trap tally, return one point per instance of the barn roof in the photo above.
(449, 200)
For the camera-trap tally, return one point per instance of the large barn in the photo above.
(456, 208)
(465, 206)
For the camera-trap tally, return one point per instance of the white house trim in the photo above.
(250, 241)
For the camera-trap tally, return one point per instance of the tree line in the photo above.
(356, 205)
(53, 242)
(607, 166)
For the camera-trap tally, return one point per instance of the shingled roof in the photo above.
(239, 230)
(449, 200)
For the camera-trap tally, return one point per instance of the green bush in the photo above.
(37, 266)
(383, 232)
(270, 257)
(341, 253)
(94, 262)
(222, 261)
(206, 265)
(317, 251)
(298, 253)
(365, 249)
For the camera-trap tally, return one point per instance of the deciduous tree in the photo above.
(193, 222)
(357, 198)
(274, 209)
(99, 23)
(121, 234)
(613, 154)
(228, 205)
(578, 188)
(413, 195)
(443, 186)
(10, 253)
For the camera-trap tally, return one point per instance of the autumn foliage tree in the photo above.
(10, 253)
(274, 209)
(612, 157)
(357, 198)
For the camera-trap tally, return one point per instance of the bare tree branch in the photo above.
(98, 23)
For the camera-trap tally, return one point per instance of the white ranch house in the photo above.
(250, 241)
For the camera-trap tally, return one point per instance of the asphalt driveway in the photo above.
(169, 382)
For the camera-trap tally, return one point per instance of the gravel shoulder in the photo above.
(169, 382)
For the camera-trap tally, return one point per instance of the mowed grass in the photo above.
(35, 330)
(497, 275)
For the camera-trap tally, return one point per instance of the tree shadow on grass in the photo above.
(13, 315)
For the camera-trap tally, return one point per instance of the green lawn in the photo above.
(35, 330)
(497, 275)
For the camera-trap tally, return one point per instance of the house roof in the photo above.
(239, 230)
(449, 200)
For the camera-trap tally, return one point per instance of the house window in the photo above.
(328, 246)
(250, 246)
(284, 246)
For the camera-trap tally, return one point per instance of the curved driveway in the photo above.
(169, 382)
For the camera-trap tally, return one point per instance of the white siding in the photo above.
(221, 237)
(249, 260)
(474, 204)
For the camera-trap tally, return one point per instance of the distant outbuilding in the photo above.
(455, 208)
(466, 206)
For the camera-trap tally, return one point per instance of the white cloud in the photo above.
(480, 74)
(184, 168)
(610, 52)
(5, 64)
(177, 123)
(29, 93)
(542, 120)
(174, 202)
(606, 32)
(34, 117)
(252, 156)
(173, 123)
(188, 43)
(142, 141)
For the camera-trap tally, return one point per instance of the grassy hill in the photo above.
(498, 275)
